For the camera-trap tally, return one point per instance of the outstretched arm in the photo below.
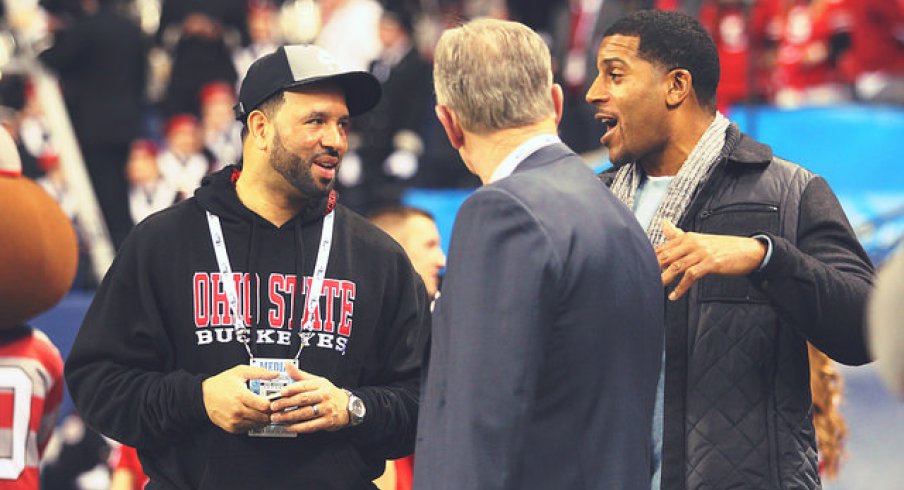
(820, 285)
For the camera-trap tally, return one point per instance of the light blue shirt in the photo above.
(649, 195)
(647, 199)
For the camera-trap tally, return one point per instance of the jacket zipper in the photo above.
(739, 208)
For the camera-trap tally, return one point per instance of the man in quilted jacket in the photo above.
(757, 258)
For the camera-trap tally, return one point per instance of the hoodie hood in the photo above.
(217, 195)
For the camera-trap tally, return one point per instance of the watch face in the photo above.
(356, 407)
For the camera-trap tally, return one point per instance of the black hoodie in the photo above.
(160, 324)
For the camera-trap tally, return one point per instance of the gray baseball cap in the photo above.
(294, 66)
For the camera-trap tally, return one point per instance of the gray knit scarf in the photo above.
(692, 174)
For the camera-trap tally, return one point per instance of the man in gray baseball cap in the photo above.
(260, 334)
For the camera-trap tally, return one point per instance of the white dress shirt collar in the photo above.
(524, 150)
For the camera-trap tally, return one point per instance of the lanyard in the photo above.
(313, 299)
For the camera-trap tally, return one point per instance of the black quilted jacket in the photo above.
(738, 413)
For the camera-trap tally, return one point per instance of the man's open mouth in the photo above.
(328, 164)
(609, 122)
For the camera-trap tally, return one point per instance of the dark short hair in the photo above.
(269, 107)
(675, 40)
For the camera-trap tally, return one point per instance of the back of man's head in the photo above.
(392, 220)
(675, 40)
(494, 75)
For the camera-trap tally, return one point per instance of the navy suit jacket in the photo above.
(547, 339)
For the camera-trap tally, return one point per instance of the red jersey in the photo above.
(877, 38)
(31, 390)
(404, 472)
(737, 40)
(802, 60)
(127, 460)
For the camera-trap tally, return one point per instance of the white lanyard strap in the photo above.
(219, 248)
(313, 298)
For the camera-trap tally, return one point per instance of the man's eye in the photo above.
(614, 76)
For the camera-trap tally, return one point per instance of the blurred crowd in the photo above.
(149, 85)
(809, 52)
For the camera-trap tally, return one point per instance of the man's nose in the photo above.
(334, 137)
(596, 93)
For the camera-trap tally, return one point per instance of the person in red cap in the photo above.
(260, 334)
(220, 132)
(149, 192)
(183, 161)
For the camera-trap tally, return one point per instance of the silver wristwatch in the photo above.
(356, 409)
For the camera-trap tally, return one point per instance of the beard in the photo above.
(297, 170)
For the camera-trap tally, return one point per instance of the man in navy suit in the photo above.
(548, 336)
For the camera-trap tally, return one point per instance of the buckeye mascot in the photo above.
(38, 256)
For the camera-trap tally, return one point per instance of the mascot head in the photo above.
(38, 248)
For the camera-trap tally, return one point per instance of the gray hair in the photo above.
(493, 74)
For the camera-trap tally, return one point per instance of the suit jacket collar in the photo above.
(546, 155)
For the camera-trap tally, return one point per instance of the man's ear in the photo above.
(451, 125)
(558, 101)
(679, 84)
(259, 128)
